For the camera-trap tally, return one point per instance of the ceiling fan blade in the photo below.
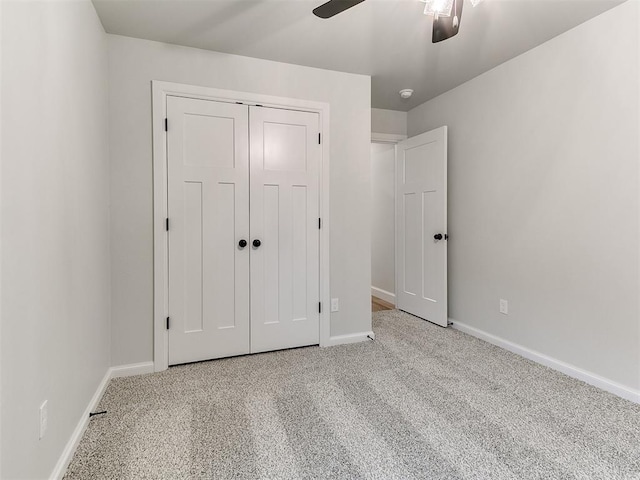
(334, 7)
(444, 27)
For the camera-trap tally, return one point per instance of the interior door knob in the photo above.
(257, 243)
(437, 236)
(242, 243)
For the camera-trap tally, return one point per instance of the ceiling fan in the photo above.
(446, 14)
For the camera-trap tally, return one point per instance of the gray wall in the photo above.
(543, 196)
(133, 65)
(383, 216)
(55, 226)
(388, 121)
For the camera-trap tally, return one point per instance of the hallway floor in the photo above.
(379, 305)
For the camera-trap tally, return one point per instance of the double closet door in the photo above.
(243, 203)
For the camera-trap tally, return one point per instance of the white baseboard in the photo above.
(113, 372)
(67, 454)
(132, 369)
(383, 295)
(566, 368)
(351, 338)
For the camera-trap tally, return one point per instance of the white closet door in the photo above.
(285, 158)
(421, 226)
(208, 204)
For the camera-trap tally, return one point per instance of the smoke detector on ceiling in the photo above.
(406, 93)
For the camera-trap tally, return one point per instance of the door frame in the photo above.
(160, 90)
(391, 139)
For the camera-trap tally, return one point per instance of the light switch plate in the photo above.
(44, 418)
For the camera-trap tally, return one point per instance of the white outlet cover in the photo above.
(504, 307)
(335, 304)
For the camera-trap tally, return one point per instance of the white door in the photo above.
(421, 226)
(285, 158)
(208, 204)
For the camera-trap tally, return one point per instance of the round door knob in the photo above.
(257, 243)
(242, 243)
(437, 236)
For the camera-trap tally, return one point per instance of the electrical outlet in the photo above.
(335, 305)
(504, 307)
(44, 418)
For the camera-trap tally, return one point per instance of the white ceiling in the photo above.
(387, 39)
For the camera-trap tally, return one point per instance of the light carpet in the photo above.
(418, 402)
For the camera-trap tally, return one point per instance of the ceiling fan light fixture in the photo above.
(438, 8)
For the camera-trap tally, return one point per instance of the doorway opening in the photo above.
(409, 225)
(383, 224)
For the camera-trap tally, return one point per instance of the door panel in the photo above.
(285, 157)
(421, 212)
(208, 165)
(193, 291)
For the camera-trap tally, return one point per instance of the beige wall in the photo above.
(543, 197)
(133, 65)
(55, 226)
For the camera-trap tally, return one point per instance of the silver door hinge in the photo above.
(168, 322)
(166, 124)
(319, 223)
(319, 138)
(166, 224)
(319, 307)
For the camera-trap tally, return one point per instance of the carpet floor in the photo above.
(418, 402)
